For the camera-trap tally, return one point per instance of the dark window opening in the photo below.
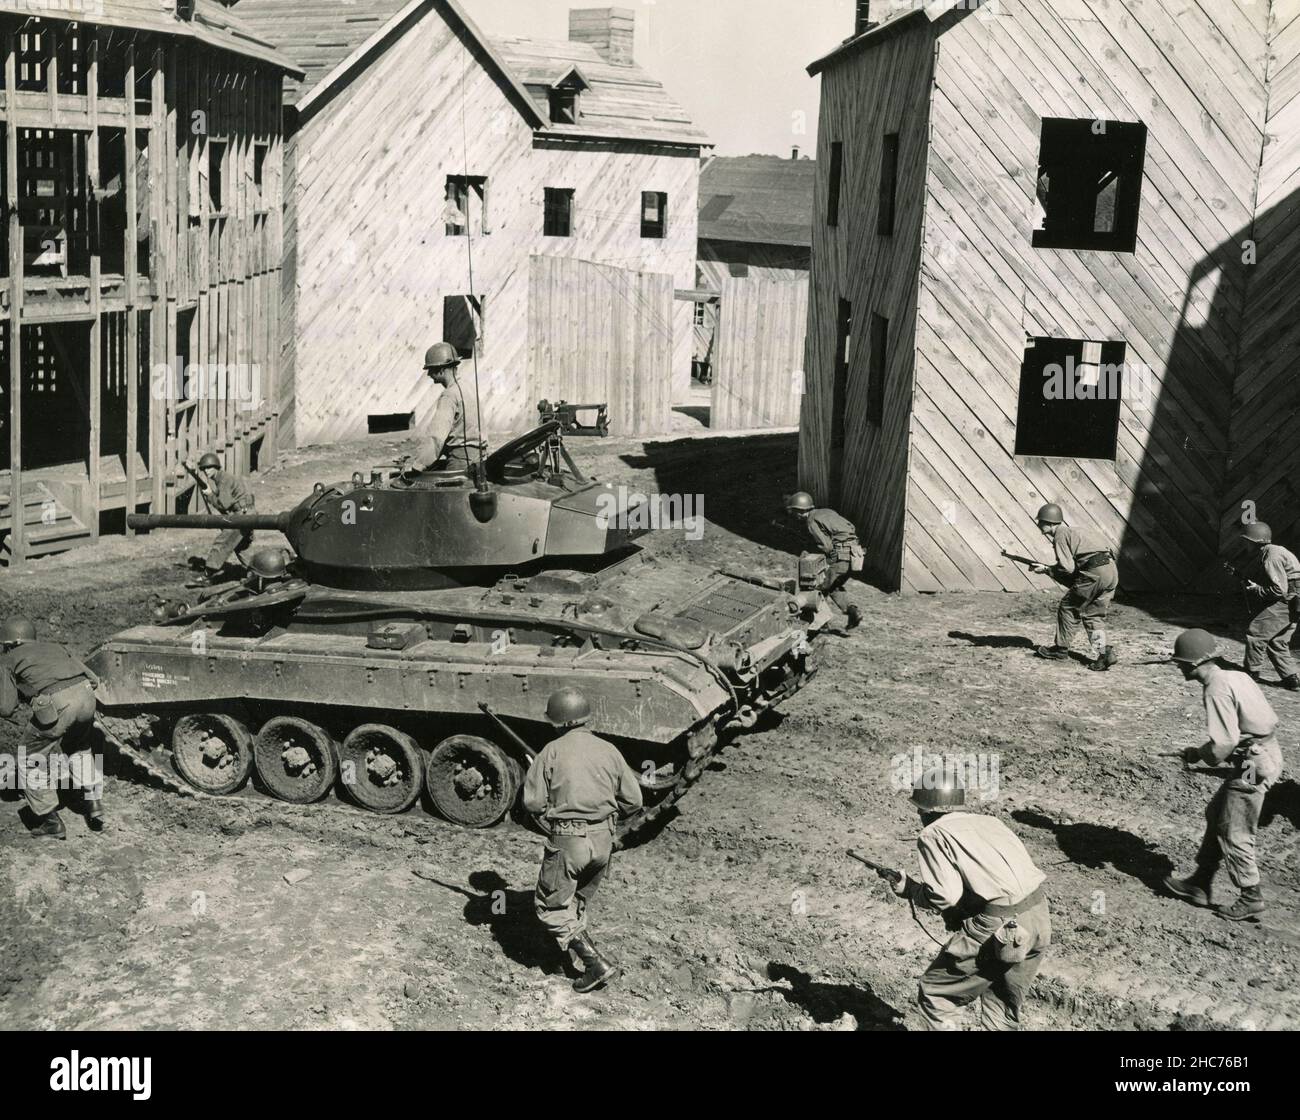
(188, 376)
(54, 204)
(563, 105)
(465, 193)
(558, 212)
(259, 164)
(654, 214)
(381, 423)
(888, 184)
(1070, 393)
(110, 204)
(462, 323)
(878, 368)
(833, 184)
(33, 48)
(72, 62)
(216, 184)
(840, 397)
(738, 269)
(700, 319)
(1090, 184)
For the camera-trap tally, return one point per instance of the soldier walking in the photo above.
(576, 786)
(837, 538)
(223, 493)
(60, 691)
(1086, 564)
(1241, 724)
(1272, 580)
(454, 439)
(975, 870)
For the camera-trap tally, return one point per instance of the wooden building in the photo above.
(141, 169)
(430, 165)
(755, 223)
(1056, 257)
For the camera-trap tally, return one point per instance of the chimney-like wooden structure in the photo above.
(862, 17)
(609, 30)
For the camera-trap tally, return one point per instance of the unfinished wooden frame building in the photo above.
(141, 161)
(1024, 188)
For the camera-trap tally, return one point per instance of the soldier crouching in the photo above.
(576, 786)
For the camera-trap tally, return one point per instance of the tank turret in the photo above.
(436, 529)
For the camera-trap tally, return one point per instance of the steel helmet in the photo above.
(440, 355)
(1050, 514)
(801, 501)
(568, 708)
(1257, 532)
(17, 629)
(269, 563)
(1194, 646)
(209, 460)
(938, 791)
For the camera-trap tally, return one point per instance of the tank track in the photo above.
(129, 735)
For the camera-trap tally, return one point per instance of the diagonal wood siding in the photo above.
(758, 377)
(1265, 465)
(600, 334)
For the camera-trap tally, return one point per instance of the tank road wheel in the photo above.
(296, 760)
(212, 751)
(382, 768)
(472, 781)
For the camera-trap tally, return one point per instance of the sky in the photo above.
(738, 66)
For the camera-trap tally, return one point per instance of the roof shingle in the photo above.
(764, 199)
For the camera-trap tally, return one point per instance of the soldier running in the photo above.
(1086, 563)
(975, 870)
(575, 786)
(837, 538)
(1241, 724)
(223, 493)
(60, 692)
(1272, 580)
(454, 440)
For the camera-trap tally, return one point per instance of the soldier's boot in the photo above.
(1248, 905)
(1052, 653)
(596, 969)
(1291, 683)
(49, 827)
(1195, 888)
(855, 616)
(95, 814)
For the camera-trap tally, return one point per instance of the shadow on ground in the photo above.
(825, 1003)
(1095, 846)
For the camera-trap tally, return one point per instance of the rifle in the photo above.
(886, 873)
(206, 490)
(1027, 561)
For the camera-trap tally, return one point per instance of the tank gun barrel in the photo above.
(244, 522)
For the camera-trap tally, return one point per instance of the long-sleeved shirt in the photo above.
(228, 492)
(580, 776)
(965, 854)
(1235, 709)
(32, 668)
(832, 533)
(452, 433)
(1275, 568)
(1074, 541)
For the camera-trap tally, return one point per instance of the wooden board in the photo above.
(758, 377)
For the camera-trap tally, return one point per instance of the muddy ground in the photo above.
(741, 912)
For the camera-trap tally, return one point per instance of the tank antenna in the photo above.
(469, 253)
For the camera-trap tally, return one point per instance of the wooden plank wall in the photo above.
(374, 262)
(1265, 443)
(880, 91)
(758, 377)
(602, 334)
(1193, 72)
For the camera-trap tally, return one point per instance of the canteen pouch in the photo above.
(857, 557)
(1013, 943)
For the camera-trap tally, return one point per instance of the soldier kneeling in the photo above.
(837, 538)
(576, 786)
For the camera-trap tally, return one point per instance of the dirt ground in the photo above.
(741, 912)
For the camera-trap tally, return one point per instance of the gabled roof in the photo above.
(213, 25)
(331, 41)
(896, 19)
(763, 199)
(621, 102)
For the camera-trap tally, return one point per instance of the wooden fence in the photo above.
(759, 347)
(598, 333)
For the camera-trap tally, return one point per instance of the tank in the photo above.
(408, 652)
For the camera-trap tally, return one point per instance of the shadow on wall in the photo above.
(1225, 418)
